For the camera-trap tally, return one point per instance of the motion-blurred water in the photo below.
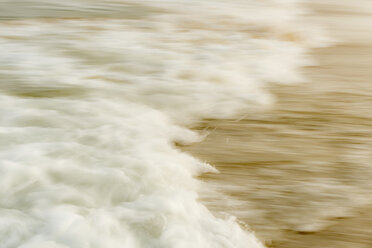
(299, 172)
(95, 95)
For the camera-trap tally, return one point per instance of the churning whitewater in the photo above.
(94, 94)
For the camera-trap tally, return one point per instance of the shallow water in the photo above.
(97, 97)
(299, 172)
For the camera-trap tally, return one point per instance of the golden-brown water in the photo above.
(94, 94)
(300, 172)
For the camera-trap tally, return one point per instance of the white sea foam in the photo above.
(90, 108)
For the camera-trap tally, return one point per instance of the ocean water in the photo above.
(298, 172)
(96, 95)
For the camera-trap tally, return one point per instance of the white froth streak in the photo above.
(90, 109)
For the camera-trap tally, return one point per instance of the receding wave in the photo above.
(95, 94)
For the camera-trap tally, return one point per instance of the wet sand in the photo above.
(299, 172)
